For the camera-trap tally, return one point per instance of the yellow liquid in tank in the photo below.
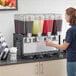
(37, 27)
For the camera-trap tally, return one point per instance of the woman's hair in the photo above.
(72, 13)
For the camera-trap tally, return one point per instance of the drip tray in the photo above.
(41, 55)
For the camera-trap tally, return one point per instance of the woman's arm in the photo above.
(63, 46)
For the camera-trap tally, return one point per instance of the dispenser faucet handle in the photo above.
(29, 35)
(28, 40)
(39, 34)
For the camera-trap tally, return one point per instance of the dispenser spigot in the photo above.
(39, 37)
(29, 37)
(49, 35)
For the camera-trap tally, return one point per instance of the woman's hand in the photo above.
(49, 43)
(46, 43)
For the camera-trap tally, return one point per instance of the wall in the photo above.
(32, 6)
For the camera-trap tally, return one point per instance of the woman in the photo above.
(70, 42)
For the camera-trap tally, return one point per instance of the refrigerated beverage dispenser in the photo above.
(31, 30)
(58, 26)
(29, 19)
(38, 26)
(58, 23)
(29, 24)
(48, 24)
(19, 24)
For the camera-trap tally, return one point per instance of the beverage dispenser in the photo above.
(31, 30)
(29, 45)
(58, 24)
(38, 26)
(35, 26)
(19, 22)
(29, 19)
(49, 23)
(45, 26)
(47, 31)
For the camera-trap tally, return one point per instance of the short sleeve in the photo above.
(69, 36)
